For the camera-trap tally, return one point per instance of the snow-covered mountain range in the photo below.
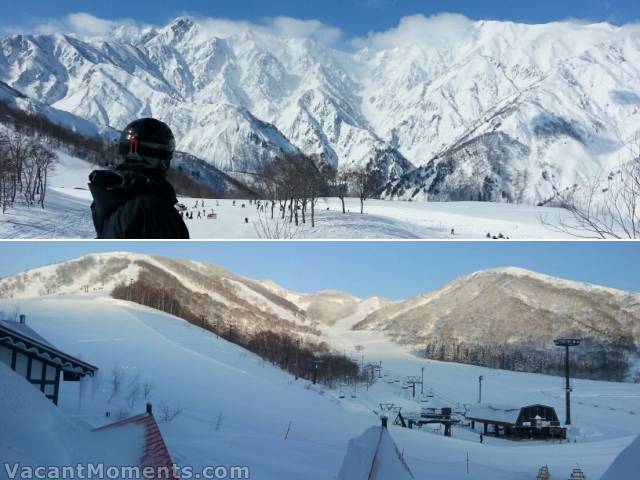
(505, 312)
(505, 112)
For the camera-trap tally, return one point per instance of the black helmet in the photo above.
(147, 143)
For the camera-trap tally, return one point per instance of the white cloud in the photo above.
(220, 27)
(80, 24)
(85, 25)
(443, 28)
(292, 27)
(283, 27)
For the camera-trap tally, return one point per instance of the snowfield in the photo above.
(236, 409)
(67, 215)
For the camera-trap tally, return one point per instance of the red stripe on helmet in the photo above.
(133, 144)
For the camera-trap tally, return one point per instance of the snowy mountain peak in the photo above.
(548, 279)
(488, 114)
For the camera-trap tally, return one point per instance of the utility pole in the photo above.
(480, 379)
(297, 350)
(413, 381)
(567, 343)
(316, 362)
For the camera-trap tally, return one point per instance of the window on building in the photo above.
(36, 370)
(5, 355)
(50, 373)
(22, 363)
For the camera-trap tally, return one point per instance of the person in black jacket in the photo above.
(135, 200)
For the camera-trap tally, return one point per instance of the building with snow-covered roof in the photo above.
(37, 361)
(150, 448)
(530, 421)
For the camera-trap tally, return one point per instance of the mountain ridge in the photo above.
(506, 309)
(551, 105)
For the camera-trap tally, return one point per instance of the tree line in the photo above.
(292, 354)
(592, 361)
(292, 184)
(25, 165)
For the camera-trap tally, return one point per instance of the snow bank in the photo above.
(374, 456)
(626, 464)
(40, 435)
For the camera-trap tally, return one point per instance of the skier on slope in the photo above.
(135, 200)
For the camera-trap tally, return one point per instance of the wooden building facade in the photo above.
(37, 361)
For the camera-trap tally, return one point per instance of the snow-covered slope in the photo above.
(626, 464)
(42, 435)
(212, 292)
(522, 312)
(14, 99)
(519, 311)
(504, 112)
(237, 409)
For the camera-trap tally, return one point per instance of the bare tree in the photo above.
(276, 228)
(338, 181)
(296, 180)
(168, 414)
(117, 378)
(364, 182)
(607, 206)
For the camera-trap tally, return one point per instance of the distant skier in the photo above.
(481, 438)
(135, 200)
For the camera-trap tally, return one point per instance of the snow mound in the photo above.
(42, 435)
(626, 464)
(374, 456)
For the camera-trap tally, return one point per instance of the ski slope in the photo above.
(67, 215)
(237, 409)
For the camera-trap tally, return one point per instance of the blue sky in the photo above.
(390, 269)
(354, 18)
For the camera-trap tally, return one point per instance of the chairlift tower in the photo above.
(316, 362)
(412, 382)
(567, 343)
